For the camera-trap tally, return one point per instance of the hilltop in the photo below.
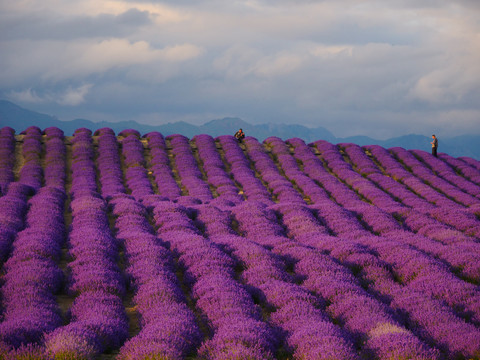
(19, 118)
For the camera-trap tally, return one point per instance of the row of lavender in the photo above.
(167, 326)
(32, 216)
(409, 309)
(420, 276)
(466, 306)
(469, 330)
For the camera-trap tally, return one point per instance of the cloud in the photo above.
(27, 96)
(88, 8)
(178, 53)
(278, 65)
(369, 66)
(454, 74)
(449, 85)
(50, 26)
(60, 61)
(73, 97)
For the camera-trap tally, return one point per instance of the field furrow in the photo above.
(123, 246)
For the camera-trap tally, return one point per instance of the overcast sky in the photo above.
(378, 68)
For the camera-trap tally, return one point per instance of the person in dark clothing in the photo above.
(239, 135)
(434, 145)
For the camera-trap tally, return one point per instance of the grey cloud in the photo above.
(354, 72)
(348, 32)
(436, 3)
(51, 26)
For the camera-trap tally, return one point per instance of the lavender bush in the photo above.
(150, 247)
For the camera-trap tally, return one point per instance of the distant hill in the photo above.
(464, 145)
(19, 119)
(263, 131)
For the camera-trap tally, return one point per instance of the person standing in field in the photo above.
(434, 145)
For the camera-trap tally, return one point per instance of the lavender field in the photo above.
(130, 246)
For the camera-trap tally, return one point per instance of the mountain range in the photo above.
(19, 119)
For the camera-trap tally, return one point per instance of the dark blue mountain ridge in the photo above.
(20, 118)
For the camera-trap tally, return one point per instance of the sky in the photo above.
(356, 67)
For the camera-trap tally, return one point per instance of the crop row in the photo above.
(153, 247)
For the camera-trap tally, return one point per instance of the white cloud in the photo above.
(57, 61)
(444, 86)
(179, 53)
(27, 96)
(278, 65)
(74, 96)
(454, 72)
(330, 51)
(237, 61)
(100, 57)
(71, 96)
(66, 9)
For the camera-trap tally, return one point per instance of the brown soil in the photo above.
(19, 160)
